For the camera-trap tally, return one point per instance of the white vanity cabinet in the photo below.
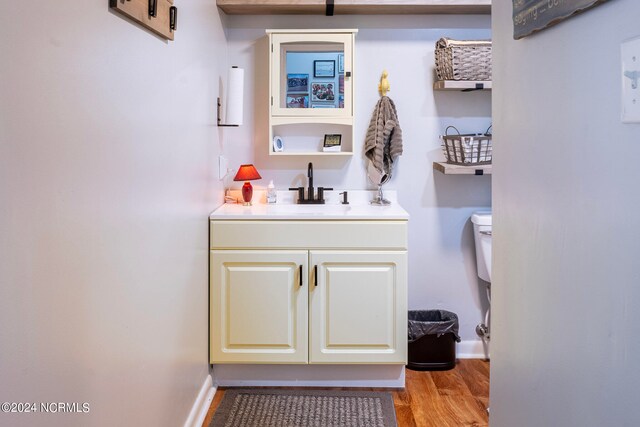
(318, 292)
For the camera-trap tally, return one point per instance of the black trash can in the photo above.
(432, 340)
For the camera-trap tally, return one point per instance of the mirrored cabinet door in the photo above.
(312, 74)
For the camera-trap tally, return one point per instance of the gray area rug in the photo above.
(304, 408)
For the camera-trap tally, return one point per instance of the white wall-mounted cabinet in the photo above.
(335, 305)
(311, 90)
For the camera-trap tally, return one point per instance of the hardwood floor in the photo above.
(454, 398)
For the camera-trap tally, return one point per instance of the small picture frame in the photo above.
(323, 92)
(332, 143)
(324, 68)
(278, 144)
(300, 100)
(297, 83)
(341, 63)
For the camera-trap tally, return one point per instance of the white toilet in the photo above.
(482, 235)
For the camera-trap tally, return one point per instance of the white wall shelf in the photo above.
(351, 7)
(449, 169)
(462, 85)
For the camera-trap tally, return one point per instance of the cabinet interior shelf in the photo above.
(351, 7)
(462, 85)
(449, 169)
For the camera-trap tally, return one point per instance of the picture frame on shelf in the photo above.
(332, 143)
(297, 100)
(341, 63)
(341, 101)
(322, 91)
(297, 83)
(324, 68)
(278, 144)
(341, 84)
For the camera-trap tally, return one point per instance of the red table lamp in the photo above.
(247, 173)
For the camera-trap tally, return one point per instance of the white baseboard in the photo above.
(472, 349)
(202, 403)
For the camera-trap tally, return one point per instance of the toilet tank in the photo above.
(482, 235)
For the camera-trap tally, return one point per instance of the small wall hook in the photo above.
(384, 86)
(173, 18)
(153, 8)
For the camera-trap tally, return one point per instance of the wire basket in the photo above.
(463, 60)
(468, 149)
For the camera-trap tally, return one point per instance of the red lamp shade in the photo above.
(247, 173)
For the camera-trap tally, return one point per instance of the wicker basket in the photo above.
(467, 150)
(463, 60)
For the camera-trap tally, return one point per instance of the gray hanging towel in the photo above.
(383, 144)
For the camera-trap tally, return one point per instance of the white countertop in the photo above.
(358, 208)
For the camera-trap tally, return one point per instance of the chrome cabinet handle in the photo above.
(486, 233)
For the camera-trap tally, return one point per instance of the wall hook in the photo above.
(159, 16)
(153, 8)
(173, 18)
(384, 87)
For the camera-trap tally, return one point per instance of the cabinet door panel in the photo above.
(258, 308)
(300, 57)
(358, 308)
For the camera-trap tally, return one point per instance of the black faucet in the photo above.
(310, 195)
(311, 199)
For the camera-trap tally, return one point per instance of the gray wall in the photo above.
(442, 271)
(566, 291)
(107, 154)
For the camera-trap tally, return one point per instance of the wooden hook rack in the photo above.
(159, 16)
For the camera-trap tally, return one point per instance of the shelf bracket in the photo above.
(329, 9)
(479, 86)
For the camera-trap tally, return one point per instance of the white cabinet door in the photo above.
(311, 69)
(258, 306)
(358, 307)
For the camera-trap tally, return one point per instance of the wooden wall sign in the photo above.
(160, 16)
(530, 16)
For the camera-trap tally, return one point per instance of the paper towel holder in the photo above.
(220, 119)
(220, 124)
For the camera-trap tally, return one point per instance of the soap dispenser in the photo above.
(271, 193)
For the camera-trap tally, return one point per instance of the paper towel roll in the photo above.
(235, 94)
